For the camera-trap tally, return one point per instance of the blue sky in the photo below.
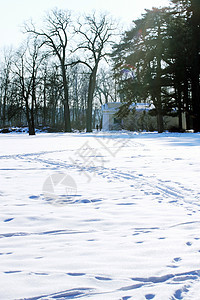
(13, 13)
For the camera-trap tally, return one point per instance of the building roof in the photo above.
(113, 106)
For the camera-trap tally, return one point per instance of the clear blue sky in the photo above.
(13, 13)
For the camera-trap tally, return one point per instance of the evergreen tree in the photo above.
(143, 48)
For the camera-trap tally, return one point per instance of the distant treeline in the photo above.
(51, 80)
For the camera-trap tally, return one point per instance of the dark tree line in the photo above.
(163, 49)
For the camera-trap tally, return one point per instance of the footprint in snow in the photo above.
(189, 244)
(12, 272)
(172, 266)
(8, 220)
(103, 278)
(149, 296)
(76, 274)
(34, 197)
(176, 259)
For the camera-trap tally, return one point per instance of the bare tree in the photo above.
(95, 33)
(26, 69)
(5, 83)
(54, 95)
(78, 86)
(55, 37)
(106, 87)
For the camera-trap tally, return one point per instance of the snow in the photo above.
(100, 216)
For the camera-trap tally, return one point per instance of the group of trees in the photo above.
(53, 78)
(163, 49)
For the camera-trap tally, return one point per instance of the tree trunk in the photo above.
(32, 122)
(91, 89)
(179, 104)
(160, 123)
(0, 109)
(45, 105)
(195, 100)
(53, 116)
(195, 64)
(4, 111)
(186, 101)
(30, 129)
(67, 125)
(4, 103)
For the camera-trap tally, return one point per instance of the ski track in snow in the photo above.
(160, 185)
(125, 190)
(160, 188)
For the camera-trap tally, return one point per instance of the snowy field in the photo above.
(100, 216)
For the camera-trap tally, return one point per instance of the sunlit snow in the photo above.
(100, 216)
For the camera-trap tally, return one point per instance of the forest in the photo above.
(65, 70)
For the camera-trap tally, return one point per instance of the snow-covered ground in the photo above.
(100, 216)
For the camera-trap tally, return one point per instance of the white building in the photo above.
(110, 122)
(108, 112)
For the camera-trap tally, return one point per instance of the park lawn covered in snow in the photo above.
(100, 216)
